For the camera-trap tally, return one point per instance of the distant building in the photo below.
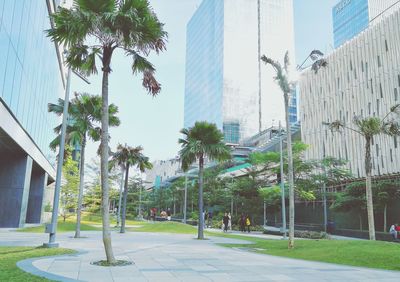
(350, 17)
(31, 76)
(225, 81)
(162, 171)
(362, 78)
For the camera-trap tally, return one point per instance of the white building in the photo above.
(225, 81)
(162, 171)
(362, 78)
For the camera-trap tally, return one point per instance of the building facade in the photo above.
(362, 78)
(31, 76)
(350, 17)
(162, 171)
(225, 81)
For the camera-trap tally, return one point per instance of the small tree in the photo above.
(69, 190)
(203, 140)
(369, 128)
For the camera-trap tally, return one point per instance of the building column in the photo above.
(15, 177)
(36, 193)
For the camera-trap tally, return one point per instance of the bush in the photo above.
(48, 207)
(311, 235)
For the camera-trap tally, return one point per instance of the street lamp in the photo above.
(52, 227)
(283, 208)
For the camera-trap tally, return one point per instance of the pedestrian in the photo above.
(230, 221)
(209, 220)
(393, 231)
(168, 214)
(248, 223)
(225, 220)
(205, 218)
(153, 212)
(242, 222)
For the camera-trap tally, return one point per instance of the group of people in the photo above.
(395, 231)
(227, 222)
(245, 223)
(163, 214)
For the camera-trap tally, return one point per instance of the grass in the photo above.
(165, 227)
(9, 256)
(61, 227)
(372, 254)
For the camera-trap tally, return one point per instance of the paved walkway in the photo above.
(173, 257)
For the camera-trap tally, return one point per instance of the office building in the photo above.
(350, 17)
(225, 81)
(362, 78)
(31, 76)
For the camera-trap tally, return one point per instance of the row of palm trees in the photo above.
(92, 31)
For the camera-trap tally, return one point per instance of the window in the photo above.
(395, 94)
(377, 106)
(362, 66)
(380, 89)
(369, 108)
(398, 80)
(379, 62)
(395, 141)
(391, 155)
(351, 66)
(377, 150)
(372, 89)
(386, 46)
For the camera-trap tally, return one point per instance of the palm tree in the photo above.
(286, 87)
(126, 157)
(93, 30)
(368, 128)
(203, 140)
(84, 116)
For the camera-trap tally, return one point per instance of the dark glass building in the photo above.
(31, 76)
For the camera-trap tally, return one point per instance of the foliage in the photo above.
(69, 190)
(9, 256)
(200, 141)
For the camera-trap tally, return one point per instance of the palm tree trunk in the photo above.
(290, 173)
(107, 52)
(81, 184)
(384, 218)
(370, 205)
(201, 217)
(123, 218)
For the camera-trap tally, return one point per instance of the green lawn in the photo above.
(372, 254)
(164, 226)
(9, 256)
(61, 227)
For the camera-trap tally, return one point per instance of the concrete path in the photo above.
(172, 257)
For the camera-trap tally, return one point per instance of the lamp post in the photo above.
(283, 208)
(120, 196)
(185, 200)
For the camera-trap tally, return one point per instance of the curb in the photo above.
(27, 266)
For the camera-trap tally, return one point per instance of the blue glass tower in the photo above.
(350, 17)
(204, 65)
(31, 76)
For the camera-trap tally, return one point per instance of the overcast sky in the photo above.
(154, 123)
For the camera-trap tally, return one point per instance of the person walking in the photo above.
(242, 222)
(248, 223)
(209, 219)
(230, 221)
(393, 231)
(225, 220)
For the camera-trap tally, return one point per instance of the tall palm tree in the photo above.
(202, 141)
(368, 128)
(93, 30)
(84, 118)
(282, 79)
(126, 157)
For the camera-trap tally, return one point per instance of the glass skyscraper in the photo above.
(225, 82)
(350, 17)
(31, 76)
